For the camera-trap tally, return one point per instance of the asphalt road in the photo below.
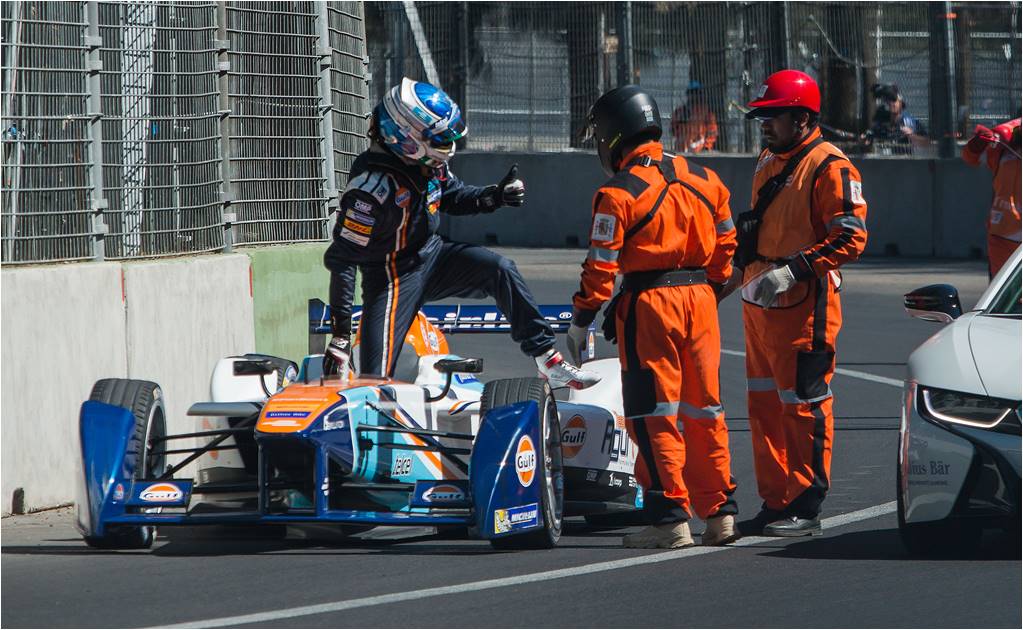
(855, 575)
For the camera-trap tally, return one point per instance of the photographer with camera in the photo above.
(893, 129)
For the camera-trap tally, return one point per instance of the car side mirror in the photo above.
(450, 366)
(253, 367)
(934, 303)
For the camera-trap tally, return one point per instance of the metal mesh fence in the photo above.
(525, 73)
(46, 180)
(135, 129)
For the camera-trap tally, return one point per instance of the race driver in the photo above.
(809, 219)
(1002, 147)
(664, 223)
(387, 224)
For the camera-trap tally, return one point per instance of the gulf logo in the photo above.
(444, 494)
(573, 436)
(161, 493)
(525, 461)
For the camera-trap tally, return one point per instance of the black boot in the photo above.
(793, 526)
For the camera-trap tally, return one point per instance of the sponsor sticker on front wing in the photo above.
(520, 517)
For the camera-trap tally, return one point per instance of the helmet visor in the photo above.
(442, 138)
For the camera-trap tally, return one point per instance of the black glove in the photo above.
(337, 355)
(510, 191)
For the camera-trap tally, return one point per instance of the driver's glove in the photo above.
(337, 356)
(510, 191)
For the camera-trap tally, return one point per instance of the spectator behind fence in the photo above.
(893, 128)
(694, 125)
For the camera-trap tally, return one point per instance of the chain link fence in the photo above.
(137, 129)
(527, 72)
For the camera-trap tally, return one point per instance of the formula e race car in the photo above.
(280, 444)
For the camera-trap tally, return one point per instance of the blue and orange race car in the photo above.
(280, 444)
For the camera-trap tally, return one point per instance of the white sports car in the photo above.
(959, 440)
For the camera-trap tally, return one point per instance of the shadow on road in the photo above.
(884, 544)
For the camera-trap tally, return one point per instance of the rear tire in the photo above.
(145, 400)
(552, 497)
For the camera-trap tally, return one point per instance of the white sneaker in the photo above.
(561, 373)
(670, 536)
(720, 531)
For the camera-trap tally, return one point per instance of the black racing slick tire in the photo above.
(513, 390)
(145, 400)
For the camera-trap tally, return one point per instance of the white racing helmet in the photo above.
(420, 123)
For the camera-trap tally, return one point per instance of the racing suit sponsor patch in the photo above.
(603, 227)
(351, 236)
(520, 517)
(401, 198)
(364, 219)
(362, 206)
(433, 197)
(383, 189)
(355, 226)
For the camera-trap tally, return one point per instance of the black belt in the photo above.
(643, 280)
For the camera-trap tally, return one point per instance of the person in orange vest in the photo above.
(809, 219)
(694, 125)
(1002, 146)
(664, 223)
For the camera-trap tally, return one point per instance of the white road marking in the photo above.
(543, 576)
(866, 376)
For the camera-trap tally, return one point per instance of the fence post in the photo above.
(943, 83)
(623, 27)
(94, 64)
(326, 62)
(223, 44)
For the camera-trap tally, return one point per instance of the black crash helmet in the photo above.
(622, 117)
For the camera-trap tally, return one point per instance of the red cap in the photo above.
(1004, 130)
(788, 88)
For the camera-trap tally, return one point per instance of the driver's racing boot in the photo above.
(667, 536)
(561, 373)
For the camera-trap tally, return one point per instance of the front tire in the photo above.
(145, 400)
(552, 497)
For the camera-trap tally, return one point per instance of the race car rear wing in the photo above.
(449, 318)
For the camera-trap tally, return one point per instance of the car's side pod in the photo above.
(505, 474)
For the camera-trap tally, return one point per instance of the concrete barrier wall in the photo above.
(283, 280)
(182, 316)
(67, 326)
(63, 329)
(917, 207)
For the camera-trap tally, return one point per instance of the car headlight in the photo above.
(970, 409)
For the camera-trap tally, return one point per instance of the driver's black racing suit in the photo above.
(386, 227)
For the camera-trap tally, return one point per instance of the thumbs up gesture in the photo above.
(511, 188)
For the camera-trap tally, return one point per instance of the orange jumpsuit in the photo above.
(818, 222)
(695, 128)
(669, 341)
(1003, 221)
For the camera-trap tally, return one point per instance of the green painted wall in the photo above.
(284, 277)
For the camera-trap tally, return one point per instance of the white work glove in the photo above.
(578, 338)
(774, 282)
(336, 358)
